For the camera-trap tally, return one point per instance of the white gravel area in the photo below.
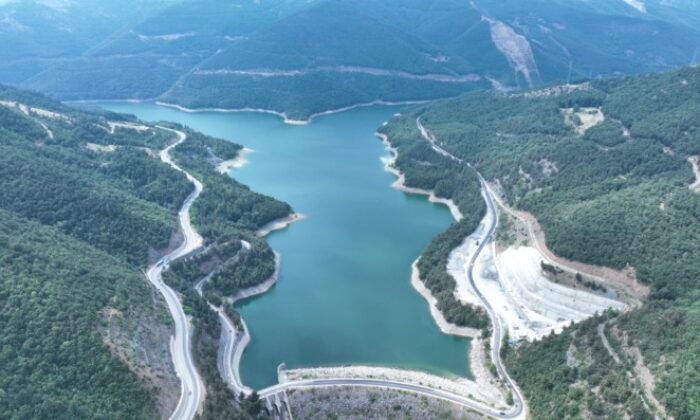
(458, 261)
(695, 186)
(530, 305)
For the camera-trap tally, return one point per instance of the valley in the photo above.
(511, 280)
(320, 312)
(473, 283)
(342, 209)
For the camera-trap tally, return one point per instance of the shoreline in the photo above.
(242, 337)
(399, 183)
(416, 281)
(482, 376)
(97, 101)
(445, 326)
(259, 288)
(236, 163)
(283, 115)
(279, 224)
(362, 105)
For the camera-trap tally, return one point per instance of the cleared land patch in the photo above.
(582, 119)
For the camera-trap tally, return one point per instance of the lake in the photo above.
(344, 294)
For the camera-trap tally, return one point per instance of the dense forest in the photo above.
(412, 37)
(76, 228)
(424, 168)
(85, 205)
(613, 190)
(225, 206)
(53, 361)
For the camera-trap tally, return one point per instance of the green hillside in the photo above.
(36, 35)
(76, 228)
(618, 195)
(147, 57)
(304, 57)
(85, 204)
(338, 46)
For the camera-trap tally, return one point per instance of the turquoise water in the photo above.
(344, 294)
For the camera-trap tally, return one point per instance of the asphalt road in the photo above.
(191, 383)
(230, 354)
(497, 336)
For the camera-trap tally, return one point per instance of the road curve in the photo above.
(191, 389)
(518, 409)
(230, 357)
(230, 346)
(384, 383)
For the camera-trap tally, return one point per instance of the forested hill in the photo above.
(286, 55)
(81, 208)
(414, 49)
(85, 204)
(607, 168)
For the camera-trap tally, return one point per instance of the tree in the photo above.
(253, 404)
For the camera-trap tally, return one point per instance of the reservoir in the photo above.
(344, 294)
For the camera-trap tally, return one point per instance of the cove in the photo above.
(344, 294)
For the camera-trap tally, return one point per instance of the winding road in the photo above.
(233, 344)
(497, 336)
(192, 389)
(191, 384)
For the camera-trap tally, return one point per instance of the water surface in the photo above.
(344, 293)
